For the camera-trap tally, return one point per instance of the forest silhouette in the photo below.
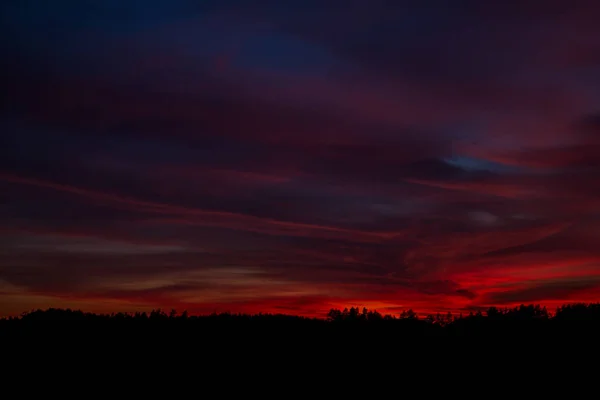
(579, 320)
(350, 342)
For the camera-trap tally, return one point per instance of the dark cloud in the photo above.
(589, 127)
(297, 155)
(563, 289)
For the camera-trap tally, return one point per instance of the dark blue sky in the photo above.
(300, 155)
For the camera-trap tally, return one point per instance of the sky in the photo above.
(296, 156)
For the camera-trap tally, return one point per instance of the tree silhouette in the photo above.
(577, 320)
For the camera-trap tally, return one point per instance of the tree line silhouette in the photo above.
(529, 337)
(578, 319)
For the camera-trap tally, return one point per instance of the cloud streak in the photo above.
(300, 157)
(205, 217)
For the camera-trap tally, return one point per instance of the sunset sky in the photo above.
(294, 156)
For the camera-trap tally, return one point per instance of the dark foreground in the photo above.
(364, 329)
(352, 343)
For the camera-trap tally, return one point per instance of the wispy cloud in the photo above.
(269, 157)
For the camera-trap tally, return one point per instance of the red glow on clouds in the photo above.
(201, 162)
